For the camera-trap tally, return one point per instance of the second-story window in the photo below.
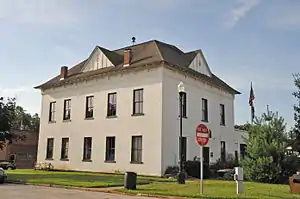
(222, 114)
(204, 110)
(112, 104)
(89, 107)
(52, 111)
(138, 101)
(67, 110)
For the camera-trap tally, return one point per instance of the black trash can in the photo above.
(130, 180)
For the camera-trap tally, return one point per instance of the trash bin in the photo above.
(130, 180)
(294, 182)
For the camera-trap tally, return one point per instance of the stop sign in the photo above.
(202, 135)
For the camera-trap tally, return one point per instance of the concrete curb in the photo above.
(111, 190)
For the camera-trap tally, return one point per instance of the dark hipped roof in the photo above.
(151, 52)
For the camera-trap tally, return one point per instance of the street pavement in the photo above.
(14, 191)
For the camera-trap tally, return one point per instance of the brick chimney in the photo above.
(127, 57)
(63, 72)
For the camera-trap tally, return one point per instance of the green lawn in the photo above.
(76, 179)
(215, 189)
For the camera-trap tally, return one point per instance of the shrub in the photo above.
(192, 167)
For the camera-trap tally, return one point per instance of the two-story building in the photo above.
(118, 110)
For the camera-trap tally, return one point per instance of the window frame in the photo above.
(136, 149)
(184, 104)
(67, 102)
(110, 112)
(50, 151)
(138, 99)
(204, 108)
(89, 107)
(222, 115)
(52, 110)
(64, 153)
(87, 151)
(223, 151)
(110, 149)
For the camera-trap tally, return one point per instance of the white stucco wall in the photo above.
(195, 90)
(123, 127)
(159, 126)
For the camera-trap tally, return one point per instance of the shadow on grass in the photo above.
(79, 180)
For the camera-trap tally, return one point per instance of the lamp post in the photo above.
(181, 175)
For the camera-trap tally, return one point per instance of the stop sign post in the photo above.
(202, 138)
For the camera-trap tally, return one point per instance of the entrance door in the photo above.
(206, 155)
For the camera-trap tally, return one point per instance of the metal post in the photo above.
(181, 177)
(201, 169)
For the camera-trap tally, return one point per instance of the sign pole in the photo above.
(201, 169)
(202, 138)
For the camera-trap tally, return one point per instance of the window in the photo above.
(67, 110)
(223, 151)
(138, 101)
(87, 149)
(112, 104)
(110, 149)
(89, 107)
(64, 155)
(52, 112)
(204, 110)
(184, 107)
(50, 143)
(136, 149)
(222, 114)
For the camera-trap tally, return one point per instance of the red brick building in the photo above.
(22, 151)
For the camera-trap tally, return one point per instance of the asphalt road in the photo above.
(35, 192)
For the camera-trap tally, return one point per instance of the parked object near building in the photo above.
(21, 154)
(294, 182)
(118, 111)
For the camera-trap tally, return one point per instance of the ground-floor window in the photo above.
(87, 149)
(223, 151)
(136, 149)
(110, 149)
(64, 149)
(50, 145)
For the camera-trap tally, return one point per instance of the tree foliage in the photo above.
(243, 127)
(13, 117)
(7, 117)
(295, 133)
(266, 146)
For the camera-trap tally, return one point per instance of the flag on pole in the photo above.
(251, 99)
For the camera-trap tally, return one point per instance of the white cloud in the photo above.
(237, 13)
(46, 12)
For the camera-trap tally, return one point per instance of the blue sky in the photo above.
(243, 41)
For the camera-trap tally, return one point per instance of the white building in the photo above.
(118, 111)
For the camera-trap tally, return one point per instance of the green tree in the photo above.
(7, 118)
(294, 135)
(266, 146)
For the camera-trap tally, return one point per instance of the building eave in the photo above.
(113, 71)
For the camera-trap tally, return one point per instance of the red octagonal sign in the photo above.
(202, 135)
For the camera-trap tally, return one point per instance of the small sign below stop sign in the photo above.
(202, 134)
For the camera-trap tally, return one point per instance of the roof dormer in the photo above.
(98, 59)
(200, 65)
